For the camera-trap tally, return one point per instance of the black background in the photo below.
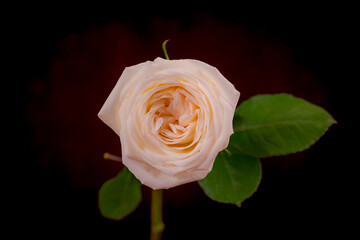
(64, 61)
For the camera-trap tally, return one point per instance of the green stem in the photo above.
(228, 152)
(164, 49)
(157, 224)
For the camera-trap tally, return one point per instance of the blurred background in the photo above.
(66, 59)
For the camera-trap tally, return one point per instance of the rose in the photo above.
(173, 118)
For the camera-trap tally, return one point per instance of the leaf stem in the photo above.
(164, 49)
(228, 152)
(157, 224)
(109, 156)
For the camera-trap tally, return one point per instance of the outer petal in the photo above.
(156, 179)
(109, 111)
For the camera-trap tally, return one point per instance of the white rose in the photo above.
(173, 118)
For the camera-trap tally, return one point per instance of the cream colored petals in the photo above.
(173, 117)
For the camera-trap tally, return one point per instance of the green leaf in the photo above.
(271, 125)
(119, 196)
(234, 178)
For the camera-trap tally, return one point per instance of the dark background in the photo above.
(64, 61)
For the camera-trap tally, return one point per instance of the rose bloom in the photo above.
(173, 118)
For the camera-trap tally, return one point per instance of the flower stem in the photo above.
(157, 224)
(164, 49)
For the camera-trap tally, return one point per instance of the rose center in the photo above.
(174, 115)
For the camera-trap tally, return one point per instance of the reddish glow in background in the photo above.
(73, 64)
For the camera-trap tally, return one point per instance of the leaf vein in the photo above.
(290, 122)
